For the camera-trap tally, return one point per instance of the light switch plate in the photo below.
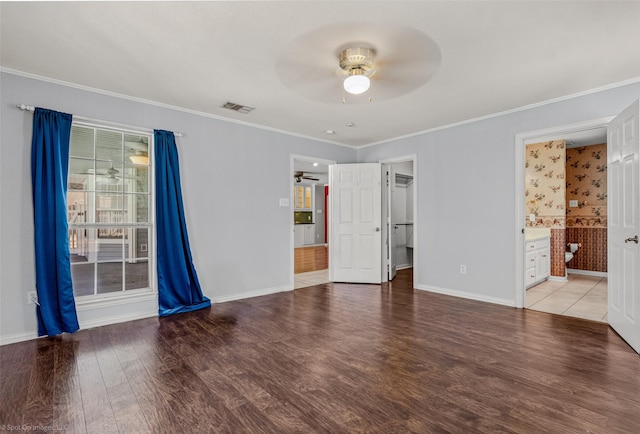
(573, 203)
(532, 217)
(284, 202)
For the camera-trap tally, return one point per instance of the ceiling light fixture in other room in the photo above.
(357, 63)
(141, 158)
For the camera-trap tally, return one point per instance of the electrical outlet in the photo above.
(463, 269)
(32, 297)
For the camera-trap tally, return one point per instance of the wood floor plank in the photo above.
(98, 414)
(152, 402)
(68, 410)
(334, 358)
(14, 395)
(38, 408)
(110, 368)
(126, 410)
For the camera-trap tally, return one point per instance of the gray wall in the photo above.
(466, 194)
(230, 173)
(465, 181)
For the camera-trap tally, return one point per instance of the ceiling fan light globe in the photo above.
(356, 84)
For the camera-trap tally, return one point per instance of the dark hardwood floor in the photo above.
(333, 358)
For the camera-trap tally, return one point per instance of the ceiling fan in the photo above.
(108, 176)
(394, 59)
(299, 176)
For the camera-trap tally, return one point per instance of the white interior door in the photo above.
(391, 222)
(355, 248)
(623, 152)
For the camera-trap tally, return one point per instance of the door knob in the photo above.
(634, 239)
(378, 230)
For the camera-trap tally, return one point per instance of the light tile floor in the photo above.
(581, 296)
(302, 280)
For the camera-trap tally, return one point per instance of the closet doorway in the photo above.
(399, 198)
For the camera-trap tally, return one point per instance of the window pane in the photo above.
(138, 207)
(82, 245)
(109, 277)
(140, 241)
(109, 146)
(109, 209)
(83, 277)
(81, 142)
(81, 174)
(136, 274)
(136, 179)
(108, 176)
(77, 206)
(110, 243)
(136, 149)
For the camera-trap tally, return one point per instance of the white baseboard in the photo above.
(18, 337)
(468, 295)
(144, 313)
(117, 319)
(27, 336)
(558, 278)
(249, 294)
(587, 272)
(404, 266)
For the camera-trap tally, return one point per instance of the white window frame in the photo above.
(96, 301)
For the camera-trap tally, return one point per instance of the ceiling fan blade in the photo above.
(92, 173)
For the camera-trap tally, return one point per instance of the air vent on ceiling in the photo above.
(237, 107)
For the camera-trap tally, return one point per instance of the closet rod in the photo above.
(31, 109)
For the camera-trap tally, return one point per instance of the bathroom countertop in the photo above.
(531, 234)
(540, 237)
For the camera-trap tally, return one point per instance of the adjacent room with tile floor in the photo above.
(311, 278)
(581, 296)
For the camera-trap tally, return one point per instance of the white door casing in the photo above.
(623, 257)
(355, 195)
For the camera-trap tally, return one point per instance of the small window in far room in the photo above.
(109, 209)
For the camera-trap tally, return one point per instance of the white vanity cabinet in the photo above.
(538, 261)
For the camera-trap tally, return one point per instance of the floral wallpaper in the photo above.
(587, 183)
(545, 184)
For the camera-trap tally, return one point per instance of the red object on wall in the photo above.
(326, 211)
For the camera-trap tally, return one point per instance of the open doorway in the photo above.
(623, 223)
(400, 186)
(563, 207)
(310, 253)
(400, 210)
(360, 224)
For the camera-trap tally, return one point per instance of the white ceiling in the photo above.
(439, 62)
